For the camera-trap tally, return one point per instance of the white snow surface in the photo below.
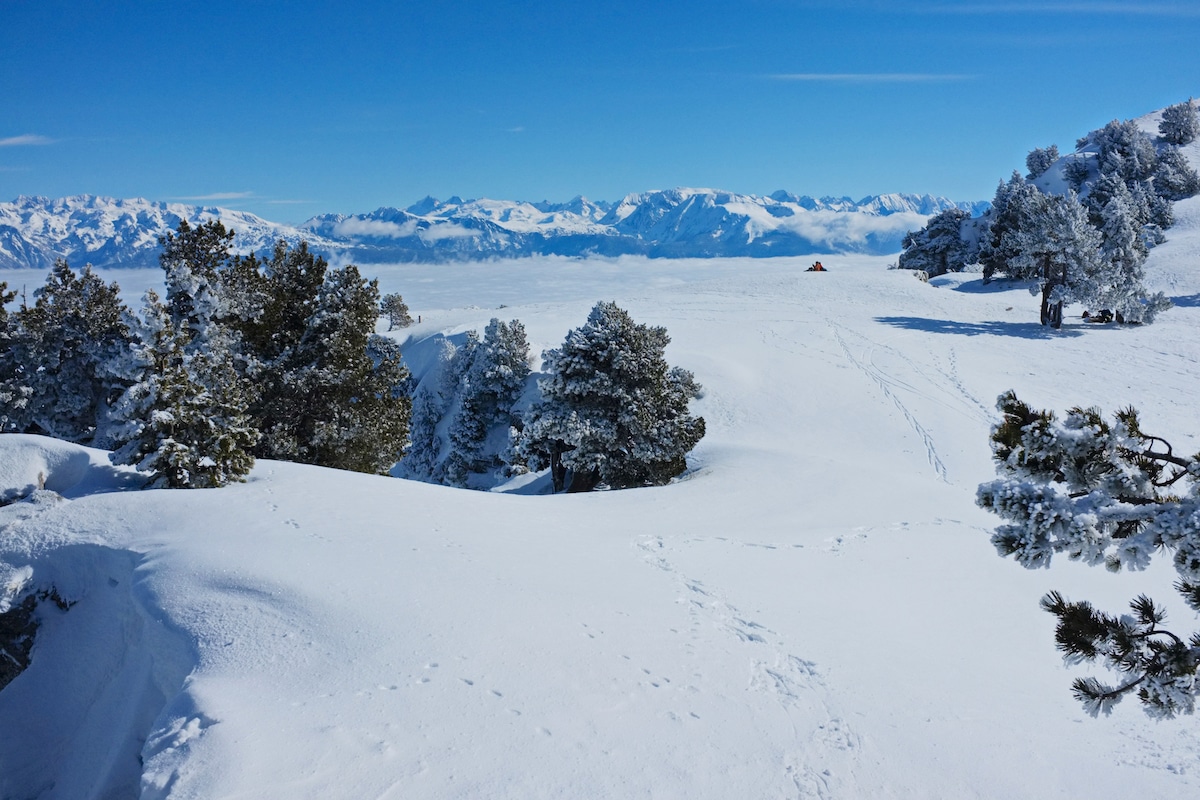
(813, 610)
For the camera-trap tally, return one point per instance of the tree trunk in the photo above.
(584, 481)
(1045, 315)
(558, 472)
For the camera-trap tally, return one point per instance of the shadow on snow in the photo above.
(1023, 330)
(954, 282)
(1187, 301)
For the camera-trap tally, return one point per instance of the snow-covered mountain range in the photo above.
(681, 223)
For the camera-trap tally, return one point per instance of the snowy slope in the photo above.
(814, 610)
(1054, 181)
(35, 231)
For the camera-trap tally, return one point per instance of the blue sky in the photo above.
(293, 109)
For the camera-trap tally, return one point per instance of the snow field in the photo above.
(814, 610)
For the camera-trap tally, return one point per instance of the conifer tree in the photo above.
(60, 351)
(612, 411)
(1058, 244)
(491, 381)
(1180, 124)
(1125, 150)
(1014, 204)
(14, 392)
(1077, 171)
(285, 300)
(317, 384)
(1039, 161)
(424, 460)
(184, 419)
(395, 310)
(1117, 285)
(6, 297)
(1174, 178)
(192, 259)
(939, 247)
(325, 401)
(1106, 494)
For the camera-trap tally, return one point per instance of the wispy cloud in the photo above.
(1084, 7)
(378, 228)
(218, 196)
(869, 77)
(716, 48)
(290, 202)
(25, 140)
(517, 129)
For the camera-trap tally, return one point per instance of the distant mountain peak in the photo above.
(678, 222)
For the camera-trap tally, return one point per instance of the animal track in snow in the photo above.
(827, 747)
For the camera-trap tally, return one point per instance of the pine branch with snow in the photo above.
(1105, 494)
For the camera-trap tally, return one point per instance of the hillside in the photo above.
(814, 610)
(684, 223)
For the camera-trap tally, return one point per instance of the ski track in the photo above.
(820, 761)
(985, 411)
(884, 382)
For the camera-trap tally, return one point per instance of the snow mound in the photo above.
(29, 463)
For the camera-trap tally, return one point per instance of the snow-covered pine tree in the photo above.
(1179, 124)
(59, 353)
(329, 402)
(1039, 161)
(1125, 150)
(939, 247)
(425, 458)
(490, 384)
(1063, 249)
(1077, 171)
(395, 310)
(279, 297)
(205, 298)
(282, 299)
(383, 406)
(1015, 202)
(192, 259)
(6, 297)
(1111, 494)
(1032, 236)
(246, 294)
(183, 419)
(1174, 178)
(612, 411)
(14, 392)
(1117, 285)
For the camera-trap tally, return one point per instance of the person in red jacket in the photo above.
(817, 267)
